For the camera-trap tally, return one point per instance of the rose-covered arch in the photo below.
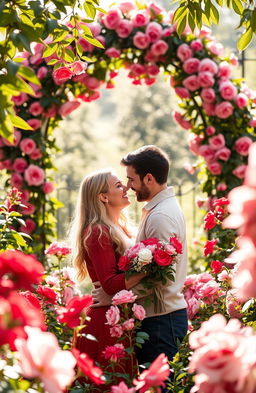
(216, 109)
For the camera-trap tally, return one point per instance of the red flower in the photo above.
(162, 258)
(216, 266)
(23, 270)
(150, 241)
(209, 220)
(221, 202)
(209, 246)
(71, 313)
(87, 366)
(124, 263)
(176, 244)
(114, 352)
(31, 298)
(47, 294)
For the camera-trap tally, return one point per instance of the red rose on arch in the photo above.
(87, 366)
(124, 263)
(209, 246)
(176, 244)
(210, 220)
(162, 258)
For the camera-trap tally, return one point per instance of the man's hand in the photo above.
(100, 297)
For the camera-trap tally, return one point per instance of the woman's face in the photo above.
(117, 193)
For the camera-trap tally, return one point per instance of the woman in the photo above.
(99, 237)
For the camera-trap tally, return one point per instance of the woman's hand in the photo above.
(99, 296)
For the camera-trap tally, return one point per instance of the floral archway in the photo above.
(216, 109)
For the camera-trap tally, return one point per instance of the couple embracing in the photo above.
(100, 237)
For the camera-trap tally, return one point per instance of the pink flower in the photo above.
(138, 69)
(227, 90)
(16, 180)
(116, 331)
(153, 70)
(208, 95)
(189, 168)
(92, 83)
(217, 142)
(114, 352)
(159, 48)
(210, 130)
(58, 248)
(42, 72)
(141, 40)
(196, 45)
(51, 111)
(34, 175)
(223, 154)
(184, 52)
(191, 83)
(67, 295)
(20, 164)
(140, 18)
(182, 92)
(121, 388)
(68, 107)
(193, 306)
(155, 376)
(35, 108)
(36, 154)
(214, 167)
(86, 46)
(17, 138)
(205, 79)
(208, 65)
(181, 121)
(113, 315)
(28, 209)
(190, 66)
(29, 226)
(234, 304)
(112, 19)
(209, 108)
(27, 145)
(224, 70)
(138, 312)
(224, 110)
(48, 187)
(113, 52)
(194, 143)
(124, 28)
(216, 48)
(78, 67)
(207, 152)
(123, 296)
(127, 6)
(240, 171)
(241, 100)
(41, 357)
(25, 195)
(154, 31)
(221, 187)
(128, 325)
(242, 145)
(34, 123)
(62, 75)
(20, 99)
(154, 9)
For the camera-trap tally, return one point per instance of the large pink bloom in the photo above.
(68, 107)
(34, 175)
(40, 356)
(123, 296)
(113, 315)
(155, 376)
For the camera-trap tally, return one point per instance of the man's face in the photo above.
(134, 182)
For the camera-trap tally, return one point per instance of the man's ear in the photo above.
(103, 198)
(149, 178)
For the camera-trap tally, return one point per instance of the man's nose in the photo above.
(125, 187)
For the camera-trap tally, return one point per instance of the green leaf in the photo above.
(52, 61)
(191, 22)
(50, 49)
(253, 20)
(93, 41)
(179, 13)
(19, 239)
(181, 24)
(29, 74)
(101, 10)
(13, 85)
(237, 6)
(245, 39)
(20, 123)
(90, 10)
(69, 55)
(87, 30)
(25, 41)
(12, 67)
(60, 36)
(214, 14)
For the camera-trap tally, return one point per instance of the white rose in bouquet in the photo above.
(144, 256)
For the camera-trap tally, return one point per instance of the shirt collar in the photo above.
(164, 194)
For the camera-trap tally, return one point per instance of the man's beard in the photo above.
(142, 194)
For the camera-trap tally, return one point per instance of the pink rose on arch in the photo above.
(209, 108)
(207, 152)
(138, 69)
(205, 79)
(223, 154)
(208, 95)
(224, 70)
(240, 171)
(140, 18)
(216, 48)
(112, 19)
(20, 99)
(48, 187)
(242, 145)
(159, 48)
(113, 52)
(154, 31)
(141, 40)
(181, 121)
(28, 209)
(123, 296)
(34, 175)
(124, 28)
(128, 324)
(25, 195)
(221, 187)
(214, 167)
(182, 92)
(92, 83)
(29, 226)
(153, 70)
(68, 107)
(210, 130)
(208, 65)
(34, 123)
(42, 72)
(51, 111)
(196, 45)
(224, 110)
(36, 154)
(87, 47)
(113, 315)
(190, 66)
(194, 142)
(154, 9)
(127, 6)
(27, 145)
(62, 75)
(217, 142)
(35, 108)
(78, 67)
(20, 164)
(16, 139)
(241, 100)
(227, 90)
(138, 312)
(191, 83)
(184, 52)
(16, 180)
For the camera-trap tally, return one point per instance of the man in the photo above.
(166, 317)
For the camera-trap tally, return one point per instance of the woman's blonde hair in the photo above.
(91, 211)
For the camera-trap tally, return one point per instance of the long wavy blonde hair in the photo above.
(90, 211)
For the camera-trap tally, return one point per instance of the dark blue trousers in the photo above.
(165, 332)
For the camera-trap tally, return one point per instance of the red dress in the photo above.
(101, 262)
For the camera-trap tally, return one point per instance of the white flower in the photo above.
(145, 256)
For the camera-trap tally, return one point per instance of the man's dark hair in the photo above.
(149, 159)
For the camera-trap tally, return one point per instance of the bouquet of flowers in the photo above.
(154, 257)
